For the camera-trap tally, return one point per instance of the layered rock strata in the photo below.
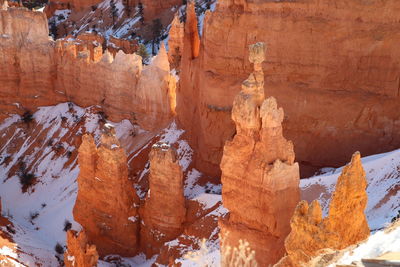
(37, 71)
(79, 253)
(107, 204)
(333, 66)
(260, 180)
(164, 211)
(345, 225)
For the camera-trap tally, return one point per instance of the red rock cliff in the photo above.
(164, 211)
(260, 180)
(345, 225)
(106, 205)
(37, 72)
(333, 66)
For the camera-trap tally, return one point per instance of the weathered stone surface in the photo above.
(333, 66)
(106, 205)
(164, 211)
(345, 225)
(175, 42)
(260, 180)
(79, 253)
(154, 99)
(37, 72)
(191, 30)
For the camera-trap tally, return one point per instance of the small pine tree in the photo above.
(59, 249)
(67, 225)
(142, 51)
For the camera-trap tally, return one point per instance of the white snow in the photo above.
(133, 218)
(55, 192)
(377, 244)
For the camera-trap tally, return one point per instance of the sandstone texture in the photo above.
(37, 71)
(345, 225)
(153, 8)
(175, 42)
(79, 253)
(107, 204)
(164, 211)
(77, 5)
(260, 180)
(333, 66)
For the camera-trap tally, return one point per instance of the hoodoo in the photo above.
(260, 180)
(345, 225)
(164, 211)
(79, 253)
(106, 201)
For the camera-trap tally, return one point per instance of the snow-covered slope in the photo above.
(379, 243)
(47, 148)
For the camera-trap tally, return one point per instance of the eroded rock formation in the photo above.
(191, 31)
(345, 225)
(175, 42)
(106, 205)
(37, 72)
(79, 253)
(164, 211)
(260, 180)
(333, 66)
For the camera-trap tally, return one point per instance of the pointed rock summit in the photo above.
(260, 180)
(345, 225)
(106, 199)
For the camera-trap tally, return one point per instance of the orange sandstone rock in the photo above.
(106, 205)
(175, 42)
(345, 225)
(191, 30)
(79, 253)
(260, 180)
(333, 66)
(164, 211)
(37, 72)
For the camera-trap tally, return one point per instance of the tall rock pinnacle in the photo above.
(164, 211)
(345, 225)
(260, 180)
(106, 205)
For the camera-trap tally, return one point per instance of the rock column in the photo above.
(345, 225)
(260, 180)
(164, 211)
(107, 204)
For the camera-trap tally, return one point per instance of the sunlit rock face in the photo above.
(345, 225)
(107, 205)
(175, 42)
(79, 252)
(164, 211)
(36, 71)
(260, 180)
(332, 66)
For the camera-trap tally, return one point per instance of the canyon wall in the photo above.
(164, 211)
(37, 71)
(333, 66)
(107, 205)
(345, 225)
(260, 180)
